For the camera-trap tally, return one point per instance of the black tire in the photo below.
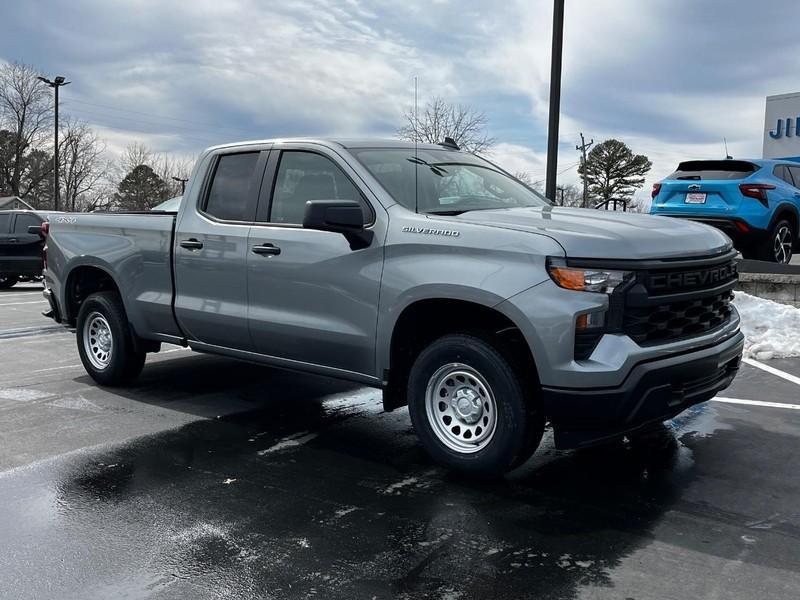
(8, 281)
(122, 362)
(518, 424)
(779, 245)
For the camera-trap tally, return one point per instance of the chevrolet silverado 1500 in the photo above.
(425, 271)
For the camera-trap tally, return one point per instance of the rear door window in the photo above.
(697, 170)
(231, 196)
(782, 172)
(5, 223)
(795, 171)
(25, 220)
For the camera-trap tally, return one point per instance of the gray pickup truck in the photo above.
(425, 271)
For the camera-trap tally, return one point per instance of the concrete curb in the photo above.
(779, 287)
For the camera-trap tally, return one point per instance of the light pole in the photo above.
(555, 98)
(183, 184)
(55, 84)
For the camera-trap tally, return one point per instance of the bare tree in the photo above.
(172, 169)
(82, 164)
(100, 198)
(26, 113)
(166, 166)
(135, 155)
(439, 119)
(569, 195)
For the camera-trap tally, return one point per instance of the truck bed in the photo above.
(135, 248)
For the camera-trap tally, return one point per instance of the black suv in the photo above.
(21, 244)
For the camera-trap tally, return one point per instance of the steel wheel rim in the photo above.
(98, 342)
(782, 245)
(461, 408)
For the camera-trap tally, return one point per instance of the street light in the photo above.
(55, 84)
(183, 184)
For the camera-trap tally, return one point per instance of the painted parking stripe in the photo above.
(28, 302)
(757, 403)
(772, 370)
(9, 334)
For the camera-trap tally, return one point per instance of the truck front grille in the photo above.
(665, 300)
(677, 320)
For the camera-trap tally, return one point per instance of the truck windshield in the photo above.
(445, 182)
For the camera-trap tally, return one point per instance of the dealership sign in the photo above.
(782, 126)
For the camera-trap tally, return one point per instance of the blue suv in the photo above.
(755, 202)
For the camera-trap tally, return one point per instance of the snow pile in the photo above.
(771, 329)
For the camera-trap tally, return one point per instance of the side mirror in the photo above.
(36, 230)
(339, 216)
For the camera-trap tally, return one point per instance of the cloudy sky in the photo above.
(669, 77)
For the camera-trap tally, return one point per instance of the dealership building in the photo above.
(782, 127)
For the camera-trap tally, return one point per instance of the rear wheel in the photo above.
(469, 406)
(779, 245)
(105, 341)
(8, 281)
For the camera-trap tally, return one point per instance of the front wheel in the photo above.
(469, 406)
(779, 245)
(8, 281)
(105, 341)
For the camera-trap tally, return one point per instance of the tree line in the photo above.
(89, 179)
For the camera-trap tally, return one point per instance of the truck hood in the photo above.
(590, 233)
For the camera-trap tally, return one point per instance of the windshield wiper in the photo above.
(447, 213)
(459, 211)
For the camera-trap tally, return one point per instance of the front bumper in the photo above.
(653, 391)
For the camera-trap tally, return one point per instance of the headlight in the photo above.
(584, 279)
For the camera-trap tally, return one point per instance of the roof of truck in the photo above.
(342, 142)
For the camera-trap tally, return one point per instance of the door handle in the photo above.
(266, 249)
(13, 240)
(797, 194)
(191, 244)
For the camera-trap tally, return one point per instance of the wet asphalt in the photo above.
(216, 479)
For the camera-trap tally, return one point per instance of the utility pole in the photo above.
(55, 84)
(555, 98)
(582, 149)
(183, 184)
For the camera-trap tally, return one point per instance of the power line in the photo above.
(113, 122)
(569, 168)
(157, 116)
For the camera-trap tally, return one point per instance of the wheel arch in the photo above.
(82, 281)
(789, 212)
(425, 319)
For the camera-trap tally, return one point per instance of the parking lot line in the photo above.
(757, 403)
(29, 302)
(772, 370)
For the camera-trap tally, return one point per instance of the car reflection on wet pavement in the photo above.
(217, 479)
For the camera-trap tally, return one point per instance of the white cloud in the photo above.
(670, 79)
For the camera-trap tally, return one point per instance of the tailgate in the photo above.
(709, 197)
